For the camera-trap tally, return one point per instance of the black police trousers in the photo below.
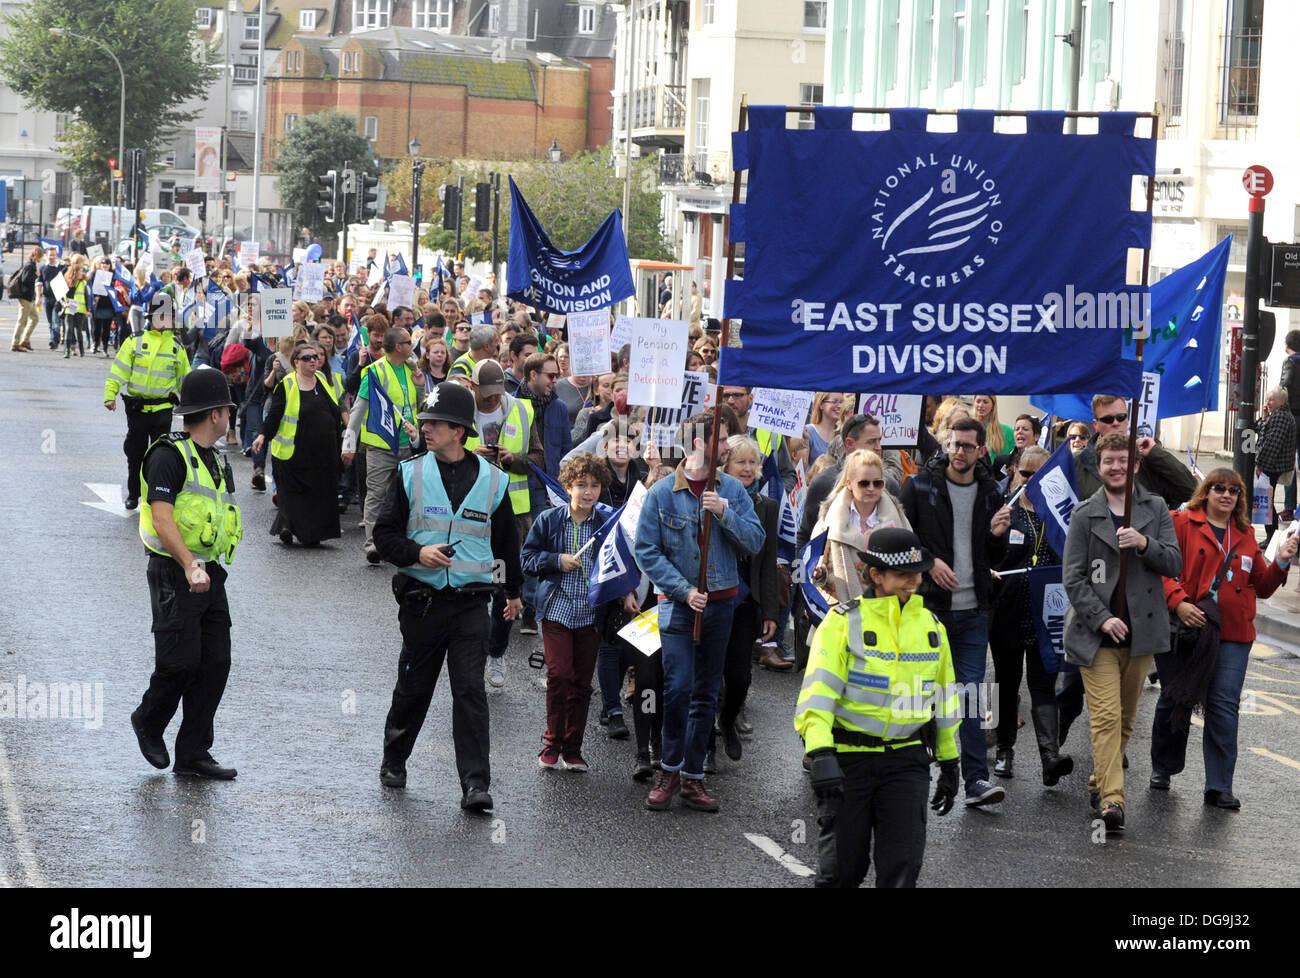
(191, 635)
(885, 796)
(439, 626)
(143, 428)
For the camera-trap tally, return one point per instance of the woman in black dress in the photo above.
(306, 481)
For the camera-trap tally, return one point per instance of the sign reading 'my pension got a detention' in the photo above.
(656, 370)
(942, 258)
(899, 416)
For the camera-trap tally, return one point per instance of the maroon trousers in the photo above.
(570, 663)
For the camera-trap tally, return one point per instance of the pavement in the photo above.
(315, 650)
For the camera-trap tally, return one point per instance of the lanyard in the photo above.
(406, 397)
(576, 549)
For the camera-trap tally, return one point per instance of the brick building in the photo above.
(459, 96)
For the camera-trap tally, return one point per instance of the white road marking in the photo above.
(25, 854)
(110, 498)
(779, 854)
(1262, 752)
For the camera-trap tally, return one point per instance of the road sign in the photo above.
(1284, 283)
(1257, 180)
(112, 163)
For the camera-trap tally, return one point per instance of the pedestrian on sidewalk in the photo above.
(1224, 571)
(23, 288)
(1275, 450)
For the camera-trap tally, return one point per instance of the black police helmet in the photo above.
(450, 402)
(204, 389)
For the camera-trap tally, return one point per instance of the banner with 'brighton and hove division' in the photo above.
(906, 261)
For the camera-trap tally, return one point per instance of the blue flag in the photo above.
(120, 277)
(813, 599)
(559, 496)
(1049, 602)
(615, 571)
(286, 276)
(939, 257)
(383, 415)
(1186, 328)
(1054, 493)
(595, 276)
(787, 521)
(396, 266)
(52, 244)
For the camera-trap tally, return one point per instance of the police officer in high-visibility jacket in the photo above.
(148, 371)
(878, 704)
(189, 524)
(447, 524)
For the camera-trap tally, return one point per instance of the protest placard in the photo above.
(621, 334)
(655, 374)
(144, 261)
(95, 251)
(102, 281)
(299, 255)
(781, 411)
(642, 632)
(665, 423)
(1148, 405)
(248, 252)
(589, 342)
(356, 261)
(277, 311)
(401, 291)
(312, 281)
(59, 286)
(899, 416)
(194, 261)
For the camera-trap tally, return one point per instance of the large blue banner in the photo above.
(595, 276)
(1184, 345)
(906, 261)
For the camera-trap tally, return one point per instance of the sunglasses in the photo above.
(1230, 490)
(308, 358)
(871, 483)
(1027, 473)
(462, 329)
(1078, 438)
(1112, 418)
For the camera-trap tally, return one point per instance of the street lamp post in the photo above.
(121, 115)
(554, 151)
(417, 171)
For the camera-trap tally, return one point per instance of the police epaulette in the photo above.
(175, 436)
(841, 609)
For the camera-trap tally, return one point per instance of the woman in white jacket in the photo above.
(857, 505)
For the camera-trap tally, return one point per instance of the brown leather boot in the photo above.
(695, 795)
(771, 659)
(661, 795)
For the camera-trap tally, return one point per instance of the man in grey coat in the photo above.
(1113, 641)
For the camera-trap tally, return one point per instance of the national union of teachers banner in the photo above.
(906, 261)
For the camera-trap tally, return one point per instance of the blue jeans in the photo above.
(968, 636)
(692, 675)
(1289, 495)
(609, 671)
(253, 428)
(1222, 704)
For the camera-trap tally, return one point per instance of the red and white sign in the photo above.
(1257, 180)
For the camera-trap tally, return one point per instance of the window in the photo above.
(814, 15)
(290, 120)
(809, 94)
(1110, 37)
(372, 127)
(706, 13)
(252, 31)
(245, 73)
(889, 46)
(586, 19)
(922, 68)
(980, 50)
(1021, 24)
(702, 125)
(370, 15)
(494, 18)
(958, 40)
(1175, 66)
(203, 18)
(431, 15)
(239, 119)
(306, 20)
(295, 61)
(349, 62)
(1241, 43)
(60, 124)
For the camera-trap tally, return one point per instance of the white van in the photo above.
(97, 220)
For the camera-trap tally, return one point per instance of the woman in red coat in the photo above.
(1215, 529)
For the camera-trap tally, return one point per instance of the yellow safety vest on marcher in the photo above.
(516, 431)
(282, 444)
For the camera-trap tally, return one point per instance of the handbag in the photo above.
(1183, 637)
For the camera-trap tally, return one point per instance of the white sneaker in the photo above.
(496, 671)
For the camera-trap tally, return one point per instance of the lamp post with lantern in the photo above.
(417, 171)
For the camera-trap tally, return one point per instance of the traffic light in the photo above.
(450, 208)
(136, 180)
(482, 206)
(367, 197)
(326, 196)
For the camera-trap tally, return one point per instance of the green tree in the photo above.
(569, 198)
(317, 144)
(164, 68)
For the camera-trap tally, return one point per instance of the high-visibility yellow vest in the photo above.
(769, 443)
(405, 398)
(334, 382)
(433, 521)
(880, 669)
(150, 366)
(282, 444)
(75, 302)
(463, 364)
(205, 513)
(516, 430)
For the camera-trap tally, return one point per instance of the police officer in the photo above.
(189, 523)
(151, 367)
(877, 705)
(445, 523)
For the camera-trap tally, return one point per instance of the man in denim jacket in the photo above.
(668, 544)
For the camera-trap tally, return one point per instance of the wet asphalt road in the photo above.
(315, 652)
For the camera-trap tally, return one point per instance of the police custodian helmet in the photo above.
(450, 402)
(204, 389)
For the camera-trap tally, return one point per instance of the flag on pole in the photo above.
(396, 265)
(383, 415)
(52, 244)
(1191, 464)
(1049, 602)
(1054, 493)
(814, 600)
(1045, 432)
(614, 572)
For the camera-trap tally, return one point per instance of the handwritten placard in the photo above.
(665, 423)
(780, 411)
(621, 333)
(655, 374)
(589, 342)
(1148, 405)
(401, 291)
(899, 416)
(194, 262)
(312, 281)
